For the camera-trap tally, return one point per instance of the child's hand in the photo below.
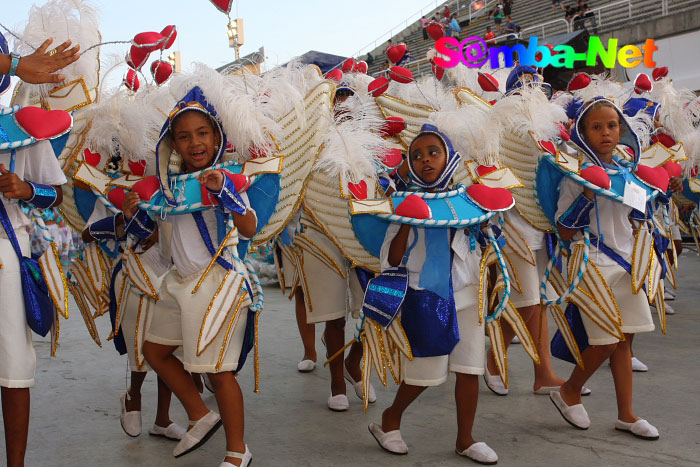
(588, 193)
(675, 184)
(131, 205)
(212, 179)
(12, 186)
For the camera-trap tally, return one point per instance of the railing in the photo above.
(542, 26)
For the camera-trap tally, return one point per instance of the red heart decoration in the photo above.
(485, 169)
(136, 57)
(92, 158)
(147, 187)
(673, 169)
(223, 5)
(240, 182)
(170, 33)
(378, 86)
(161, 71)
(117, 196)
(393, 126)
(360, 67)
(392, 158)
(694, 171)
(415, 207)
(487, 82)
(629, 150)
(642, 83)
(549, 147)
(597, 176)
(438, 71)
(664, 138)
(335, 75)
(491, 199)
(349, 65)
(400, 74)
(654, 176)
(659, 73)
(563, 132)
(358, 190)
(207, 198)
(396, 52)
(578, 81)
(137, 168)
(435, 30)
(493, 102)
(131, 80)
(43, 124)
(149, 41)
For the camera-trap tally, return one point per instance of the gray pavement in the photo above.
(75, 407)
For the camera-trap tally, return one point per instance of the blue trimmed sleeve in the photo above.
(43, 196)
(105, 229)
(577, 216)
(229, 199)
(141, 225)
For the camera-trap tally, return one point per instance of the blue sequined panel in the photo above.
(430, 322)
(384, 295)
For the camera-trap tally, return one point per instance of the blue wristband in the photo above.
(141, 225)
(228, 197)
(43, 196)
(14, 63)
(105, 229)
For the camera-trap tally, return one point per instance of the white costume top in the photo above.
(189, 252)
(36, 163)
(464, 272)
(615, 226)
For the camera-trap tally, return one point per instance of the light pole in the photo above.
(235, 34)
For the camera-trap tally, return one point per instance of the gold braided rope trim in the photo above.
(236, 288)
(55, 333)
(510, 313)
(139, 364)
(85, 312)
(58, 288)
(569, 339)
(660, 305)
(138, 275)
(230, 329)
(306, 244)
(605, 293)
(498, 348)
(212, 262)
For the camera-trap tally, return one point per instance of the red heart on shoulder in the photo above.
(378, 86)
(490, 199)
(358, 190)
(137, 168)
(392, 158)
(92, 158)
(597, 176)
(673, 169)
(43, 124)
(485, 169)
(415, 207)
(117, 196)
(549, 147)
(654, 176)
(147, 187)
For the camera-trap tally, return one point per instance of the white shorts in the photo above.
(467, 356)
(134, 322)
(634, 308)
(17, 357)
(177, 318)
(676, 232)
(529, 277)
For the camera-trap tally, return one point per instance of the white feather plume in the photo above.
(529, 110)
(602, 85)
(674, 113)
(472, 131)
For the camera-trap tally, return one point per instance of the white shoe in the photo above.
(246, 456)
(306, 366)
(515, 340)
(494, 383)
(131, 421)
(172, 431)
(545, 390)
(338, 403)
(669, 309)
(199, 434)
(480, 453)
(669, 295)
(576, 415)
(641, 429)
(390, 441)
(357, 385)
(637, 365)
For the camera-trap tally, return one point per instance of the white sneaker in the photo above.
(199, 434)
(338, 403)
(357, 385)
(131, 421)
(494, 382)
(306, 366)
(515, 340)
(246, 457)
(637, 365)
(575, 415)
(641, 429)
(669, 294)
(390, 441)
(481, 453)
(669, 309)
(172, 431)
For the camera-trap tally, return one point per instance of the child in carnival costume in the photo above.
(448, 308)
(599, 126)
(194, 131)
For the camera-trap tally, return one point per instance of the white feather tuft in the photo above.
(529, 110)
(472, 132)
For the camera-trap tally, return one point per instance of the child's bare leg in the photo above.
(133, 402)
(592, 357)
(229, 398)
(335, 339)
(621, 366)
(163, 410)
(173, 374)
(539, 330)
(197, 378)
(353, 361)
(15, 414)
(391, 417)
(466, 398)
(630, 338)
(306, 331)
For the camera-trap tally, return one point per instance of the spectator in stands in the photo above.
(455, 28)
(570, 13)
(511, 27)
(497, 14)
(446, 12)
(583, 13)
(423, 22)
(370, 59)
(555, 3)
(507, 7)
(489, 36)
